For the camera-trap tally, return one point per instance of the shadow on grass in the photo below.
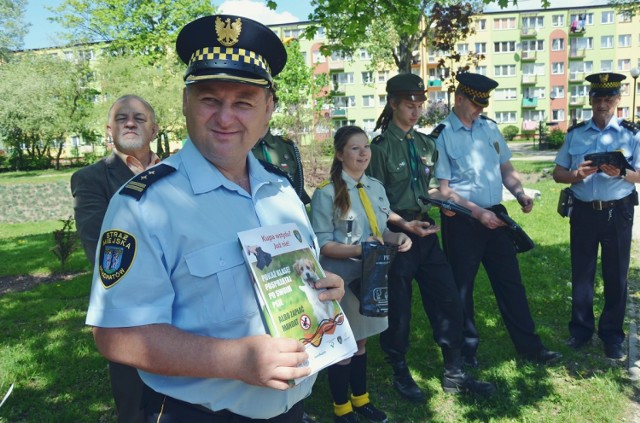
(48, 352)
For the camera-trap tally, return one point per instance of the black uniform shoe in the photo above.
(465, 384)
(346, 418)
(577, 343)
(404, 383)
(543, 356)
(372, 413)
(614, 351)
(471, 362)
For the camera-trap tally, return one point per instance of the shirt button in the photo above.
(221, 262)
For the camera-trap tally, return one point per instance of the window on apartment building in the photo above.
(624, 64)
(342, 78)
(462, 48)
(557, 21)
(606, 66)
(586, 17)
(625, 88)
(368, 101)
(557, 44)
(383, 76)
(505, 94)
(607, 17)
(579, 91)
(624, 40)
(623, 112)
(557, 115)
(68, 55)
(367, 77)
(533, 45)
(292, 33)
(339, 123)
(86, 54)
(534, 92)
(506, 117)
(537, 115)
(557, 91)
(504, 23)
(318, 57)
(340, 57)
(625, 16)
(557, 68)
(368, 124)
(481, 25)
(504, 70)
(585, 43)
(364, 54)
(344, 102)
(481, 48)
(382, 100)
(482, 70)
(533, 68)
(320, 32)
(504, 47)
(606, 41)
(533, 22)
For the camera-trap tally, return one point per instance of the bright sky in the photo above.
(42, 33)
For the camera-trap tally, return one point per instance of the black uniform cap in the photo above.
(605, 84)
(407, 85)
(230, 48)
(476, 87)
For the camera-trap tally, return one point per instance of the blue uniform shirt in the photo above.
(187, 270)
(588, 138)
(470, 159)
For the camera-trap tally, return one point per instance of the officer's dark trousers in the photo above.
(468, 243)
(611, 230)
(426, 263)
(127, 389)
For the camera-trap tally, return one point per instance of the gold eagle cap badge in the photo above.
(604, 77)
(228, 32)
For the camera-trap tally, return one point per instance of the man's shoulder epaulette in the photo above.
(377, 140)
(324, 183)
(270, 167)
(138, 185)
(485, 117)
(577, 125)
(437, 130)
(633, 127)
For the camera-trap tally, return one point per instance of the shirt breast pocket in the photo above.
(221, 282)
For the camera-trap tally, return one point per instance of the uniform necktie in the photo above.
(413, 160)
(368, 209)
(265, 151)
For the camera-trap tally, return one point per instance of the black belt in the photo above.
(409, 215)
(602, 205)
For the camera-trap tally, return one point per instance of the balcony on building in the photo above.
(576, 101)
(576, 77)
(336, 64)
(530, 102)
(527, 32)
(338, 113)
(436, 82)
(528, 56)
(529, 79)
(576, 53)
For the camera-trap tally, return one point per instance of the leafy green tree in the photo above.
(43, 101)
(145, 27)
(631, 7)
(160, 85)
(12, 26)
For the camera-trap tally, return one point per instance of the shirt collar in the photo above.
(398, 133)
(134, 164)
(351, 183)
(613, 124)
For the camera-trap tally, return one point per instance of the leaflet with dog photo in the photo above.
(285, 270)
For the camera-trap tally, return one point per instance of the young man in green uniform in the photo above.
(403, 160)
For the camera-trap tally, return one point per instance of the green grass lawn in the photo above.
(49, 354)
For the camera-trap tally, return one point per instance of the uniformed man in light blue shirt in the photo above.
(175, 300)
(602, 214)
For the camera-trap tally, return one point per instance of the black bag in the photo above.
(372, 288)
(565, 202)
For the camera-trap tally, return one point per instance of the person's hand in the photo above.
(610, 170)
(585, 169)
(490, 220)
(526, 202)
(271, 362)
(404, 242)
(448, 213)
(373, 238)
(334, 286)
(422, 228)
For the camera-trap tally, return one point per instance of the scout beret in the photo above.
(230, 48)
(605, 84)
(407, 85)
(476, 87)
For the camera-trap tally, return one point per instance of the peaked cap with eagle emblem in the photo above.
(476, 87)
(605, 84)
(230, 48)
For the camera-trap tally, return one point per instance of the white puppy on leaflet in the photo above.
(307, 270)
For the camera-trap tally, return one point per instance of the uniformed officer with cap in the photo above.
(171, 293)
(473, 166)
(602, 213)
(403, 160)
